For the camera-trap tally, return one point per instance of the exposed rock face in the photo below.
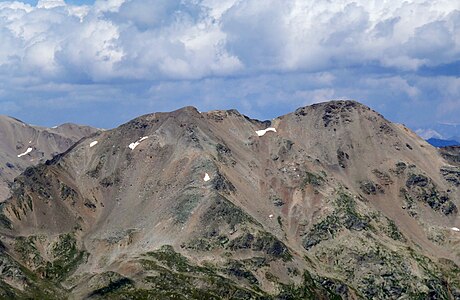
(23, 145)
(451, 154)
(337, 203)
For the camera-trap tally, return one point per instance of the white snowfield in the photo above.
(264, 131)
(92, 144)
(133, 146)
(206, 177)
(27, 152)
(455, 229)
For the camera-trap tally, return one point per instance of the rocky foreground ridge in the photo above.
(331, 201)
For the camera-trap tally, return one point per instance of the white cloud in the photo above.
(101, 6)
(194, 39)
(50, 3)
(261, 52)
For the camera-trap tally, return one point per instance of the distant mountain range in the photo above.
(442, 143)
(441, 134)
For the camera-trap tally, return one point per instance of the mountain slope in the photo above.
(23, 145)
(334, 201)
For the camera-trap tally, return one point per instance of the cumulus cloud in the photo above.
(375, 51)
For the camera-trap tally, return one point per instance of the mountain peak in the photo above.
(332, 106)
(186, 200)
(186, 110)
(340, 102)
(6, 118)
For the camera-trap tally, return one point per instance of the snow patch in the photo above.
(455, 229)
(54, 127)
(264, 131)
(133, 146)
(206, 177)
(27, 152)
(92, 144)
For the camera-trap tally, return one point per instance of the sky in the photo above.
(103, 63)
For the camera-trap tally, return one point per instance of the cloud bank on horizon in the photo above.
(109, 61)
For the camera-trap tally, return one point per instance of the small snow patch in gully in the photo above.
(133, 146)
(92, 144)
(264, 131)
(27, 152)
(206, 177)
(455, 229)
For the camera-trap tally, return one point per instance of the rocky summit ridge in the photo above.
(333, 202)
